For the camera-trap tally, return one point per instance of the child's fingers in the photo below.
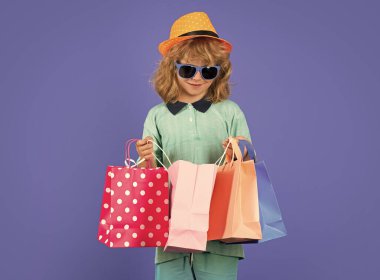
(144, 141)
(147, 155)
(148, 138)
(225, 142)
(146, 147)
(229, 146)
(141, 142)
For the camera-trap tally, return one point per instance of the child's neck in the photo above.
(189, 99)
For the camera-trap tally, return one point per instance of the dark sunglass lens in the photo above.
(186, 71)
(209, 72)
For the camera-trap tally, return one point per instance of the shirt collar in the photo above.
(201, 105)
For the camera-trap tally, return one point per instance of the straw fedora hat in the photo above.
(195, 24)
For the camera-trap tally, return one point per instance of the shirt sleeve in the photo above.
(150, 129)
(239, 126)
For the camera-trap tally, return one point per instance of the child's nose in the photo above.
(197, 76)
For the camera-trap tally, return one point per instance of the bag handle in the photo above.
(156, 156)
(133, 140)
(250, 149)
(127, 156)
(219, 160)
(235, 152)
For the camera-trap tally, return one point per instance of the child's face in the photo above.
(194, 88)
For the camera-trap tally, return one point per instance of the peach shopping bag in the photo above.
(234, 209)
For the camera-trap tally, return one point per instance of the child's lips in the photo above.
(195, 85)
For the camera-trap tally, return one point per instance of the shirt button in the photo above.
(191, 119)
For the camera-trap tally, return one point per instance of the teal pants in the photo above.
(202, 266)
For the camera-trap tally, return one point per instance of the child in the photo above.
(193, 123)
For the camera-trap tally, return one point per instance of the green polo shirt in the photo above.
(197, 137)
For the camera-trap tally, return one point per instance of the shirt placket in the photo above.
(192, 120)
(192, 125)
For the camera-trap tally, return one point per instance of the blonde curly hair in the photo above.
(210, 51)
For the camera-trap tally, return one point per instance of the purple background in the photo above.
(74, 86)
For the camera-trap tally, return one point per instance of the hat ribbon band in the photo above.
(200, 32)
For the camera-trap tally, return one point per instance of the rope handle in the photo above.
(235, 151)
(127, 157)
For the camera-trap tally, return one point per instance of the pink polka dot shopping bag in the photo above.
(135, 205)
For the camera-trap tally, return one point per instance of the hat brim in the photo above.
(164, 46)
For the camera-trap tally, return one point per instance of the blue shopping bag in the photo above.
(272, 224)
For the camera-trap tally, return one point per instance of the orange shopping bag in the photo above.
(234, 210)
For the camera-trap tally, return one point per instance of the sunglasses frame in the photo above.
(198, 69)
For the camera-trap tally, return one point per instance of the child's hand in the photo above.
(229, 150)
(145, 148)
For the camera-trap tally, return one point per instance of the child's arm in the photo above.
(146, 149)
(239, 126)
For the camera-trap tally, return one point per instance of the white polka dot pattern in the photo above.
(135, 207)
